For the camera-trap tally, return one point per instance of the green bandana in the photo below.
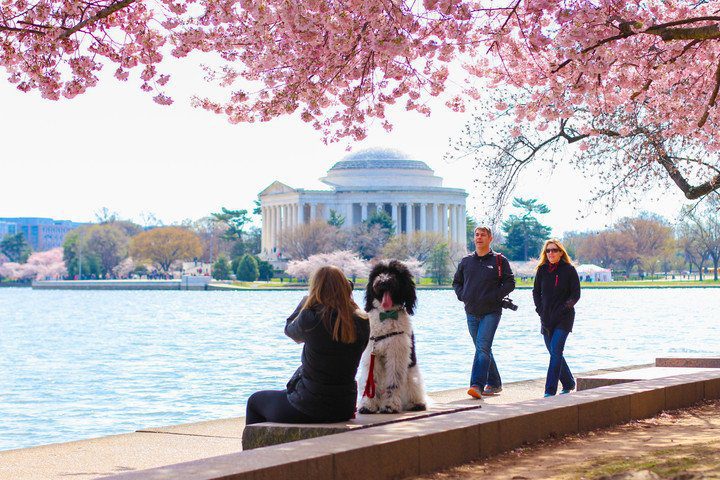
(390, 314)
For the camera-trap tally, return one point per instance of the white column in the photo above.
(444, 221)
(410, 218)
(265, 228)
(348, 215)
(363, 211)
(423, 217)
(301, 213)
(278, 225)
(313, 211)
(395, 218)
(269, 238)
(378, 206)
(271, 227)
(434, 207)
(453, 223)
(461, 224)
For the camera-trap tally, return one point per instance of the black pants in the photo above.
(273, 406)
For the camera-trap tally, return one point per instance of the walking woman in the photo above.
(556, 291)
(335, 333)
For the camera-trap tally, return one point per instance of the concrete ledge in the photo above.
(706, 362)
(424, 445)
(269, 433)
(614, 378)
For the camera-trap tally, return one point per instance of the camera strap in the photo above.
(498, 260)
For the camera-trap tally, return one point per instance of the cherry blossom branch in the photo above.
(104, 13)
(713, 97)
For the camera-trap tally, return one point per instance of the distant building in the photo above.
(7, 228)
(361, 183)
(40, 233)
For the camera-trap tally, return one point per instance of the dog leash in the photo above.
(370, 382)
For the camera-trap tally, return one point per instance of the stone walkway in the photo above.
(154, 447)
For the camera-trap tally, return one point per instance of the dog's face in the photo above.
(391, 284)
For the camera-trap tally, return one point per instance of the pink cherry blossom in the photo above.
(339, 63)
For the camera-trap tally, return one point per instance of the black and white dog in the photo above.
(388, 369)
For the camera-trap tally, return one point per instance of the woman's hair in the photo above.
(543, 256)
(333, 292)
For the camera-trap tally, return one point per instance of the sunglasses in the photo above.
(552, 250)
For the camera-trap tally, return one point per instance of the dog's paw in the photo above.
(389, 409)
(417, 407)
(366, 411)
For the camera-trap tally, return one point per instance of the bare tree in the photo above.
(625, 156)
(689, 239)
(419, 246)
(310, 239)
(704, 223)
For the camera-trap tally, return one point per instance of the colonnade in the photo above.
(446, 219)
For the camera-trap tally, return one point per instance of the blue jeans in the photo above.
(482, 330)
(558, 368)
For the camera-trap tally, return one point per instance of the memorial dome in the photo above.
(380, 167)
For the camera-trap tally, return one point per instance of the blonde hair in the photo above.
(333, 292)
(543, 255)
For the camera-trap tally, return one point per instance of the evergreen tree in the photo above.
(265, 270)
(524, 234)
(336, 220)
(438, 264)
(383, 220)
(15, 248)
(247, 270)
(470, 225)
(221, 268)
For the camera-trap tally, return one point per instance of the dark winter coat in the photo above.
(478, 285)
(324, 386)
(555, 294)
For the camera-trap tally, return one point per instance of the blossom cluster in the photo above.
(339, 64)
(48, 265)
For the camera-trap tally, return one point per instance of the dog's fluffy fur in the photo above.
(398, 383)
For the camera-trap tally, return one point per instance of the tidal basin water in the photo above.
(79, 364)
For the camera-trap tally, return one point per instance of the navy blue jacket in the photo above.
(324, 386)
(478, 285)
(555, 295)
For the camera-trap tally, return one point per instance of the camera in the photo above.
(508, 303)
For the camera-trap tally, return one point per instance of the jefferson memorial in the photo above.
(362, 182)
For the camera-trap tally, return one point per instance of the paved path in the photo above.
(154, 447)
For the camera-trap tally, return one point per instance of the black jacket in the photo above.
(555, 295)
(324, 386)
(478, 285)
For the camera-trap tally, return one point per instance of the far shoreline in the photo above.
(289, 286)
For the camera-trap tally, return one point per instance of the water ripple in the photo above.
(75, 365)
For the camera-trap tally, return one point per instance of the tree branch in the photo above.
(20, 30)
(103, 13)
(713, 97)
(691, 192)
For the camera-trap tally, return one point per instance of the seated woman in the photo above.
(335, 332)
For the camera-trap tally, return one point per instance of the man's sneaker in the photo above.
(474, 391)
(490, 390)
(548, 395)
(565, 391)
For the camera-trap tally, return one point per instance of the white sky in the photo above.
(114, 147)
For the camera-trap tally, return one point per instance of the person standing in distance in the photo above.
(556, 291)
(481, 281)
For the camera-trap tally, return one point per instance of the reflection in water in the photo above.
(83, 364)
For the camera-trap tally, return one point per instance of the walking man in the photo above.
(481, 281)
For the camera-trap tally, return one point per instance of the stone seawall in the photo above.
(186, 283)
